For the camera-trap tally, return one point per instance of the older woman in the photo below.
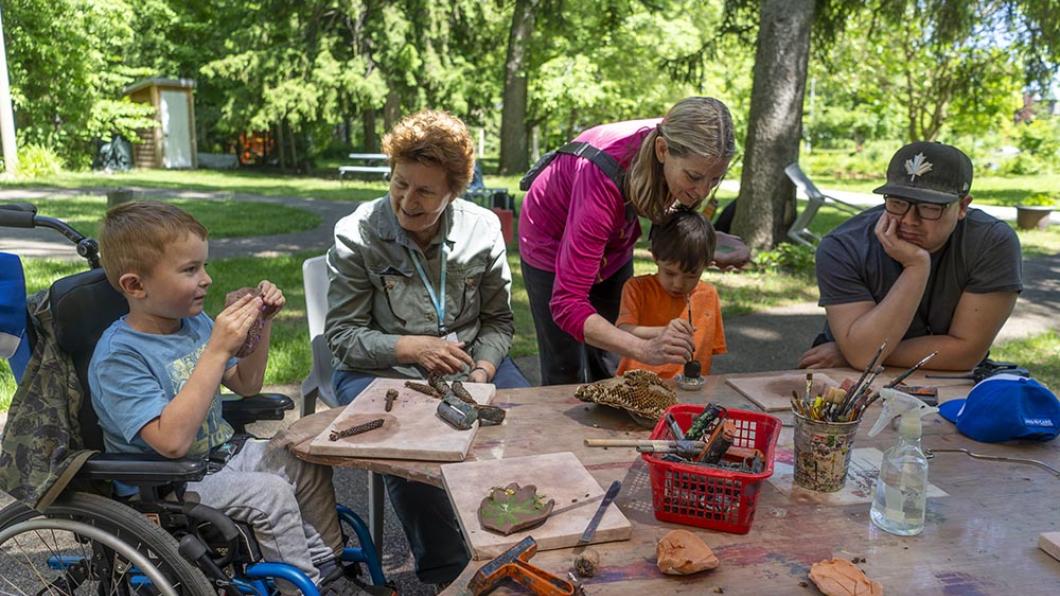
(420, 283)
(578, 226)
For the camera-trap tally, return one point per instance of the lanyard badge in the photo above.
(437, 298)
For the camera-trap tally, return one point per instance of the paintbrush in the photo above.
(894, 382)
(872, 366)
(864, 391)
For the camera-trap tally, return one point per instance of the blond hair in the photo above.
(434, 138)
(133, 236)
(694, 126)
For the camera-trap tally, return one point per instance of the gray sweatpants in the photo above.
(289, 503)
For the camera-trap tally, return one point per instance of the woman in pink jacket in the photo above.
(579, 223)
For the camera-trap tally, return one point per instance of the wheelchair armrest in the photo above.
(264, 406)
(141, 468)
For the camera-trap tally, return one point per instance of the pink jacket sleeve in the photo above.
(596, 211)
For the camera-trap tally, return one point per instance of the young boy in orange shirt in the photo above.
(675, 296)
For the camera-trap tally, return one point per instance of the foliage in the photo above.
(66, 61)
(1039, 199)
(787, 257)
(37, 161)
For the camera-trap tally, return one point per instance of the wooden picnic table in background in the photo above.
(981, 539)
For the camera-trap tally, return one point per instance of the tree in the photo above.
(1034, 26)
(515, 153)
(783, 50)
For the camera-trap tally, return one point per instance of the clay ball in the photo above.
(254, 334)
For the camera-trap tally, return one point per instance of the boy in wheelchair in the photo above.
(155, 381)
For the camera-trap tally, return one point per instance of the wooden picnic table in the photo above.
(981, 539)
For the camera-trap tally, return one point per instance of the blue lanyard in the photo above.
(437, 299)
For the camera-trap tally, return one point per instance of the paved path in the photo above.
(48, 243)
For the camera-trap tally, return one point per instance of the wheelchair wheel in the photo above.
(87, 544)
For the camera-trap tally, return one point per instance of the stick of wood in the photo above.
(355, 430)
(424, 389)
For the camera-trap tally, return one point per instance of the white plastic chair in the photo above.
(318, 384)
(799, 232)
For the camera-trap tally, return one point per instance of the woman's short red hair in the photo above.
(434, 138)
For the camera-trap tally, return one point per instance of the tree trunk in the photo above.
(766, 203)
(515, 156)
(391, 109)
(371, 137)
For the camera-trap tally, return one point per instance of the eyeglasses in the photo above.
(928, 211)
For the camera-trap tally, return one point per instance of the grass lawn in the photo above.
(1040, 354)
(224, 218)
(986, 190)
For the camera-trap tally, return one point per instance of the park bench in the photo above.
(373, 163)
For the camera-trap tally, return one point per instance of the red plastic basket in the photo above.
(709, 497)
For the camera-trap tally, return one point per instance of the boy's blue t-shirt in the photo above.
(134, 375)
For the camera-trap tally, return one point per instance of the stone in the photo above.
(681, 552)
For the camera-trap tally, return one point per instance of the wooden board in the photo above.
(772, 393)
(558, 476)
(411, 430)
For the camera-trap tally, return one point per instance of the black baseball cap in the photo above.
(928, 172)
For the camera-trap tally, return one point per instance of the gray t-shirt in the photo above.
(134, 375)
(981, 256)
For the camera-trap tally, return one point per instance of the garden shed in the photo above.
(171, 144)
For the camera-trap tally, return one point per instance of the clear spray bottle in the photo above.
(900, 498)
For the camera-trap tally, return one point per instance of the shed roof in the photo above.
(160, 82)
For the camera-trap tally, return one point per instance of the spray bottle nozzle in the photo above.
(896, 403)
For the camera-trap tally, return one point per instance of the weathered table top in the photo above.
(981, 539)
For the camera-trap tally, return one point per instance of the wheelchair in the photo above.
(87, 542)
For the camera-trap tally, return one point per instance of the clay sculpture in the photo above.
(840, 577)
(681, 552)
(513, 508)
(254, 334)
(640, 392)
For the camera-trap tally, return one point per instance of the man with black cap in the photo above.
(923, 271)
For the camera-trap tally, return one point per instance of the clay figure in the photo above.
(513, 508)
(254, 334)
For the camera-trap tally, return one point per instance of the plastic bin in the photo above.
(708, 497)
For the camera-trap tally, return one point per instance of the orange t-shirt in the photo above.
(645, 303)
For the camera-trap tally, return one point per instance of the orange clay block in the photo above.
(839, 577)
(681, 552)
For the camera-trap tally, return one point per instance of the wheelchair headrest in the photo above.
(83, 306)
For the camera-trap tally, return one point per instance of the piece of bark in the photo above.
(587, 563)
(840, 577)
(681, 552)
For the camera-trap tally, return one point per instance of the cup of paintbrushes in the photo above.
(822, 452)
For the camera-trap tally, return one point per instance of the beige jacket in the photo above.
(376, 295)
